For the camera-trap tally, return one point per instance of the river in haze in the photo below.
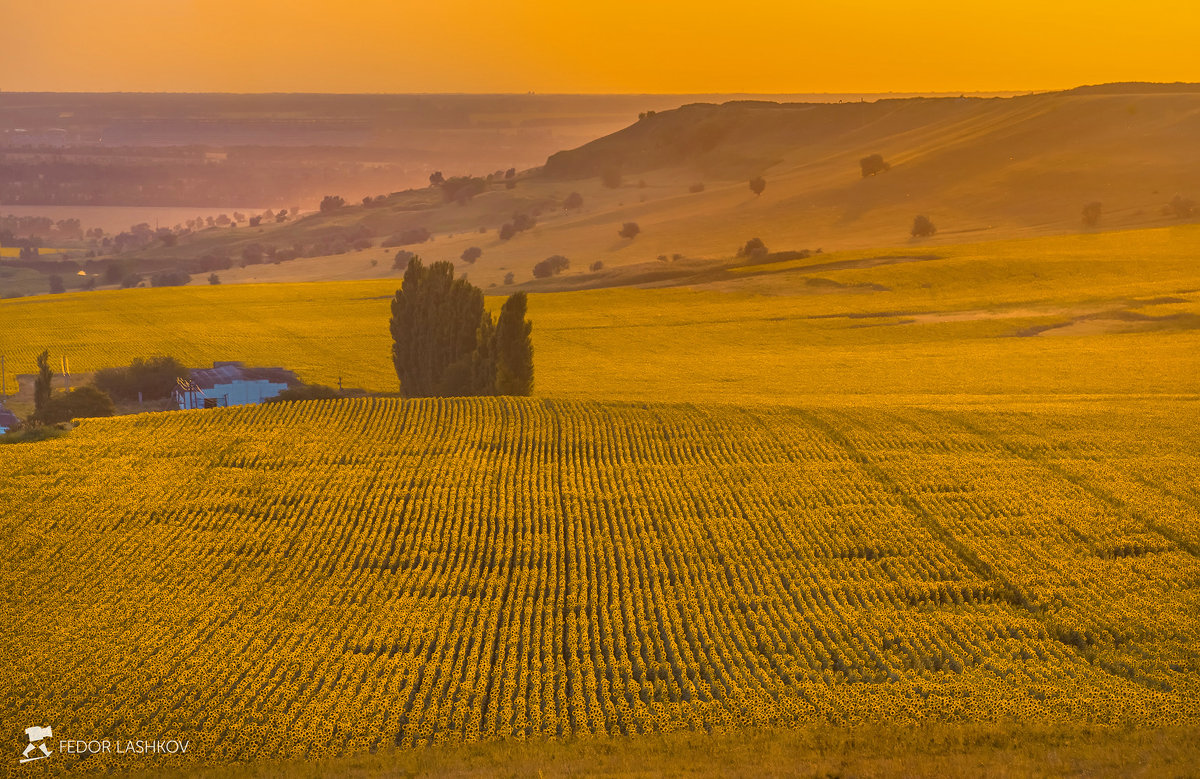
(116, 219)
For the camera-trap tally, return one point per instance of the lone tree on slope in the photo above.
(757, 185)
(873, 164)
(1091, 214)
(923, 227)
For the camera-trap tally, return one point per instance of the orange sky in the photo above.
(592, 46)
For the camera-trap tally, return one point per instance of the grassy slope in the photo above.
(992, 168)
(773, 333)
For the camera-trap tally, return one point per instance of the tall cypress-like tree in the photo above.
(41, 385)
(445, 344)
(435, 326)
(514, 348)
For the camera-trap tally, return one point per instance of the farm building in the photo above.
(8, 420)
(231, 384)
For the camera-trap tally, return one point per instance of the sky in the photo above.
(592, 46)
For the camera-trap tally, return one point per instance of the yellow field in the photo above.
(343, 576)
(1117, 313)
(900, 487)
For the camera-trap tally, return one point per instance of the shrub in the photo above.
(629, 230)
(697, 187)
(407, 237)
(57, 286)
(461, 189)
(170, 278)
(471, 254)
(754, 249)
(551, 266)
(214, 279)
(328, 203)
(598, 265)
(507, 231)
(79, 403)
(305, 392)
(873, 164)
(923, 227)
(1091, 214)
(509, 278)
(153, 377)
(573, 201)
(757, 185)
(611, 176)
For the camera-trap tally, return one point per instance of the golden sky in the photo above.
(576, 46)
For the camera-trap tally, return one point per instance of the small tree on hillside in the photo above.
(436, 179)
(629, 230)
(1180, 207)
(754, 249)
(573, 201)
(873, 164)
(328, 203)
(57, 286)
(923, 227)
(611, 176)
(757, 185)
(1091, 214)
(471, 254)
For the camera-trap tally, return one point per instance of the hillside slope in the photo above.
(978, 167)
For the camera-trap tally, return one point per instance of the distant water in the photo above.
(115, 219)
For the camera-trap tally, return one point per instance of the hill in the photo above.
(978, 167)
(339, 577)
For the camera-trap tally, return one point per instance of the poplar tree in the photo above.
(514, 348)
(445, 344)
(41, 385)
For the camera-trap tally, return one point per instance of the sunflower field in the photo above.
(343, 576)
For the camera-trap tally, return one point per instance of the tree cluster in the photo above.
(520, 223)
(551, 266)
(445, 343)
(754, 249)
(50, 408)
(328, 203)
(154, 377)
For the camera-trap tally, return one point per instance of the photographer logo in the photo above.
(36, 750)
